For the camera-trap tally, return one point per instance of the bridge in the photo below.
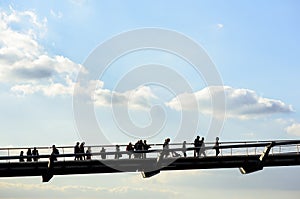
(248, 157)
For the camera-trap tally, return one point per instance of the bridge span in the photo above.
(247, 156)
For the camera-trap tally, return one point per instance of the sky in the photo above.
(233, 75)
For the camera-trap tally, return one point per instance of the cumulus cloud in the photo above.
(139, 98)
(240, 103)
(25, 64)
(293, 129)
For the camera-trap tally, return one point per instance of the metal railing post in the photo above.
(8, 154)
(63, 150)
(279, 149)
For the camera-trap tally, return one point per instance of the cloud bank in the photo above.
(29, 69)
(240, 103)
(25, 64)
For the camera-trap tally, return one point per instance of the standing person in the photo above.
(217, 146)
(21, 156)
(88, 153)
(129, 149)
(138, 146)
(166, 152)
(29, 154)
(146, 148)
(76, 151)
(54, 153)
(202, 147)
(35, 153)
(117, 154)
(53, 157)
(184, 148)
(102, 153)
(197, 145)
(81, 151)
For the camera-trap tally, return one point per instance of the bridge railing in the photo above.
(11, 154)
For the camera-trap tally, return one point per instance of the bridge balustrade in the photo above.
(12, 154)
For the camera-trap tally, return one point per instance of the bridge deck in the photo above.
(17, 169)
(269, 154)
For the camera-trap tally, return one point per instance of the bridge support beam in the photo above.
(149, 174)
(46, 176)
(260, 162)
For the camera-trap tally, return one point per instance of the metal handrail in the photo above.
(223, 146)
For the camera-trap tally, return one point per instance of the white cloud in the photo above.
(240, 103)
(24, 62)
(293, 129)
(139, 98)
(220, 26)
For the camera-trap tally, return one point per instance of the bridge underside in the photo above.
(149, 166)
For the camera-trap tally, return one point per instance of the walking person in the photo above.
(202, 147)
(166, 152)
(54, 153)
(129, 149)
(197, 145)
(29, 154)
(77, 151)
(21, 156)
(217, 146)
(81, 151)
(88, 153)
(184, 148)
(35, 154)
(117, 154)
(103, 153)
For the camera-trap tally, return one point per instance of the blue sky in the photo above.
(254, 46)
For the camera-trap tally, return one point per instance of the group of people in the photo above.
(80, 153)
(200, 147)
(30, 155)
(34, 154)
(137, 150)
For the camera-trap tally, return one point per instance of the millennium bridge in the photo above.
(248, 157)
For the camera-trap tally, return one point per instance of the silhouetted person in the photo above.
(77, 151)
(88, 153)
(146, 147)
(197, 145)
(202, 147)
(35, 154)
(103, 153)
(54, 153)
(81, 150)
(21, 156)
(217, 146)
(138, 146)
(29, 154)
(165, 152)
(117, 154)
(184, 148)
(129, 149)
